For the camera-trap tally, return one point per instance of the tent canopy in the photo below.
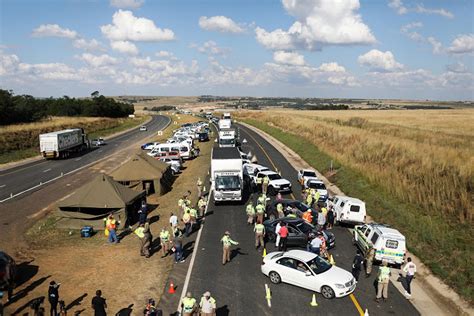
(139, 168)
(102, 192)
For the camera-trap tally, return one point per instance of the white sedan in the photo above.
(309, 271)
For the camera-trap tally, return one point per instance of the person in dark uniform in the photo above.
(98, 304)
(357, 265)
(53, 297)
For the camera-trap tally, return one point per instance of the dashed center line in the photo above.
(3, 185)
(49, 169)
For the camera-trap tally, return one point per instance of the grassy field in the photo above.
(20, 141)
(414, 169)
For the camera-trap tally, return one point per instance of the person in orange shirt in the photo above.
(307, 216)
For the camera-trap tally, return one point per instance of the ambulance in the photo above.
(389, 243)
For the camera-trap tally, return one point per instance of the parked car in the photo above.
(288, 205)
(174, 163)
(251, 169)
(305, 175)
(98, 142)
(348, 210)
(203, 137)
(319, 186)
(276, 184)
(143, 128)
(309, 271)
(298, 232)
(149, 146)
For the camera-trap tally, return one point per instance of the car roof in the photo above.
(315, 181)
(348, 198)
(290, 220)
(308, 170)
(268, 172)
(302, 255)
(388, 231)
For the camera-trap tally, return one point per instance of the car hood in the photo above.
(280, 182)
(337, 275)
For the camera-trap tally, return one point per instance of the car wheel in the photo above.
(327, 292)
(274, 277)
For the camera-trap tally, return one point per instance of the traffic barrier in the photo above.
(171, 290)
(313, 301)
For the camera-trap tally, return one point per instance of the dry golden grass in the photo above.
(53, 121)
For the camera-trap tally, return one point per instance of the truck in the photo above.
(227, 137)
(225, 123)
(62, 144)
(226, 174)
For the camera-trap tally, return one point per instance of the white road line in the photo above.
(3, 185)
(77, 159)
(100, 151)
(49, 169)
(191, 264)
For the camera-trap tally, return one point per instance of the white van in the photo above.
(348, 210)
(184, 149)
(389, 243)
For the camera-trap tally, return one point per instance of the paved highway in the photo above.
(27, 178)
(239, 287)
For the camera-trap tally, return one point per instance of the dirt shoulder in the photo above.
(430, 295)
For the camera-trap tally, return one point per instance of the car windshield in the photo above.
(305, 227)
(309, 174)
(319, 265)
(274, 176)
(227, 183)
(317, 185)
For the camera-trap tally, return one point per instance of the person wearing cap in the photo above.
(383, 280)
(250, 210)
(150, 308)
(165, 241)
(111, 225)
(53, 297)
(207, 305)
(188, 304)
(226, 243)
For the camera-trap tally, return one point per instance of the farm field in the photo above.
(414, 169)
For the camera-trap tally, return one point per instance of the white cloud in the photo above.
(98, 60)
(462, 44)
(53, 30)
(331, 67)
(219, 23)
(127, 4)
(398, 6)
(8, 63)
(435, 44)
(379, 61)
(210, 48)
(318, 23)
(164, 53)
(92, 45)
(127, 27)
(420, 8)
(457, 68)
(125, 47)
(51, 71)
(407, 27)
(288, 58)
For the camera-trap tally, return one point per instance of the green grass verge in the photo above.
(445, 247)
(21, 154)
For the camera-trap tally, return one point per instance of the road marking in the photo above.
(100, 151)
(3, 185)
(269, 159)
(191, 264)
(49, 169)
(77, 159)
(356, 304)
(27, 167)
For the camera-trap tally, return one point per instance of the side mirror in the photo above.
(308, 273)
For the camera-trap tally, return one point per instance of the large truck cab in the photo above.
(226, 175)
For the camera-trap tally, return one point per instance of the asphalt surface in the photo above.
(28, 177)
(239, 286)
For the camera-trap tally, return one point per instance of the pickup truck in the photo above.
(304, 175)
(276, 183)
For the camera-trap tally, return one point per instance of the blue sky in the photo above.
(308, 48)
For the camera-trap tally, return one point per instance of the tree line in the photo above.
(25, 108)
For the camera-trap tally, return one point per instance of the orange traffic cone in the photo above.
(171, 289)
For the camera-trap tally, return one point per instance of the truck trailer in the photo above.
(226, 174)
(61, 144)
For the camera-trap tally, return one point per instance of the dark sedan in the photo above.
(298, 232)
(288, 205)
(203, 137)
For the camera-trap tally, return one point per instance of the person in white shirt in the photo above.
(410, 270)
(174, 225)
(277, 232)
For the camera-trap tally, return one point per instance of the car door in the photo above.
(295, 236)
(288, 272)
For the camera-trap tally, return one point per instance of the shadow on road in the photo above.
(222, 311)
(127, 311)
(24, 292)
(236, 252)
(25, 272)
(76, 302)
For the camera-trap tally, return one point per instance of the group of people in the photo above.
(206, 306)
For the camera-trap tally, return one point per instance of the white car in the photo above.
(310, 271)
(143, 128)
(251, 169)
(320, 187)
(174, 163)
(306, 174)
(98, 142)
(276, 184)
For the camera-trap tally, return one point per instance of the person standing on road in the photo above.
(250, 210)
(98, 304)
(227, 242)
(330, 218)
(260, 210)
(309, 199)
(165, 242)
(187, 222)
(369, 260)
(199, 187)
(259, 230)
(178, 251)
(193, 217)
(262, 199)
(315, 245)
(357, 265)
(53, 297)
(258, 184)
(207, 305)
(321, 220)
(383, 280)
(410, 270)
(265, 182)
(111, 225)
(188, 304)
(283, 237)
(174, 225)
(280, 211)
(277, 233)
(202, 207)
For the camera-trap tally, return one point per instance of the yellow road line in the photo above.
(356, 304)
(269, 159)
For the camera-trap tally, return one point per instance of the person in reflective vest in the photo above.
(383, 280)
(262, 199)
(187, 222)
(309, 200)
(258, 183)
(202, 206)
(207, 305)
(199, 187)
(165, 241)
(260, 209)
(188, 304)
(280, 211)
(250, 210)
(193, 215)
(259, 230)
(227, 242)
(265, 182)
(111, 226)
